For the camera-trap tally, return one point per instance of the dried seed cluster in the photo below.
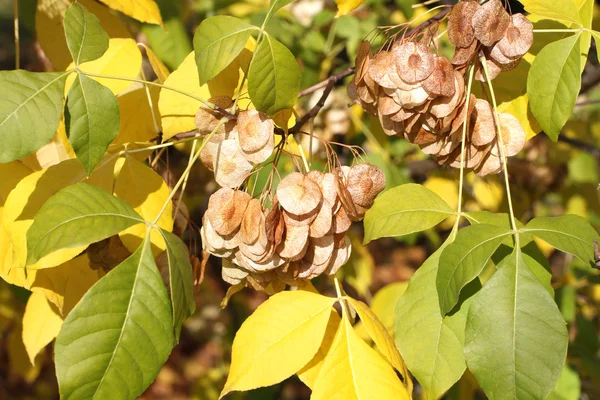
(421, 96)
(301, 236)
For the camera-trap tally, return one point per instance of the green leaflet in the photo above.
(569, 233)
(86, 39)
(404, 209)
(431, 345)
(77, 215)
(553, 84)
(217, 41)
(91, 120)
(464, 259)
(180, 277)
(114, 342)
(171, 43)
(30, 110)
(515, 339)
(273, 77)
(276, 5)
(568, 386)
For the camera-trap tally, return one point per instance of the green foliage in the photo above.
(404, 209)
(553, 9)
(91, 120)
(553, 84)
(114, 349)
(464, 259)
(86, 38)
(30, 110)
(217, 41)
(78, 215)
(273, 77)
(515, 338)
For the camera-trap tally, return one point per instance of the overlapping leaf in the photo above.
(86, 39)
(41, 324)
(142, 10)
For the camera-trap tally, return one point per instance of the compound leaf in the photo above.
(86, 38)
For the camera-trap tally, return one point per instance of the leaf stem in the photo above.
(557, 30)
(502, 150)
(340, 295)
(16, 28)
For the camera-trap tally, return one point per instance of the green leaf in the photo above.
(273, 77)
(217, 41)
(431, 345)
(171, 44)
(562, 10)
(181, 280)
(86, 38)
(92, 120)
(596, 36)
(553, 84)
(516, 339)
(114, 342)
(405, 209)
(497, 219)
(464, 259)
(30, 110)
(569, 233)
(568, 386)
(276, 5)
(77, 215)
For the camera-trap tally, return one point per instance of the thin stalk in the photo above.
(150, 103)
(158, 146)
(502, 150)
(185, 180)
(16, 28)
(556, 30)
(340, 295)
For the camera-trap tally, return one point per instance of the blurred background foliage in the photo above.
(549, 179)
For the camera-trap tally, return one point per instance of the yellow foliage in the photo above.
(122, 59)
(159, 68)
(345, 6)
(275, 342)
(178, 110)
(144, 190)
(142, 10)
(353, 370)
(49, 20)
(41, 324)
(447, 189)
(139, 121)
(384, 303)
(488, 192)
(55, 151)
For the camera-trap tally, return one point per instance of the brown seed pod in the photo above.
(207, 119)
(490, 164)
(460, 29)
(414, 61)
(341, 221)
(402, 115)
(340, 256)
(254, 130)
(263, 154)
(208, 154)
(322, 223)
(411, 98)
(216, 240)
(342, 192)
(300, 220)
(231, 273)
(387, 106)
(226, 208)
(220, 242)
(518, 37)
(365, 182)
(328, 186)
(362, 61)
(298, 194)
(390, 128)
(444, 105)
(320, 250)
(383, 70)
(253, 222)
(441, 81)
(493, 70)
(457, 122)
(230, 165)
(513, 136)
(463, 55)
(490, 22)
(294, 244)
(484, 130)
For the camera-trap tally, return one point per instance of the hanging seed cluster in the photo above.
(304, 232)
(421, 96)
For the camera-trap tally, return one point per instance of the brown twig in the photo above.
(588, 148)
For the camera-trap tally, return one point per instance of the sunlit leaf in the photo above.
(41, 324)
(142, 10)
(86, 39)
(345, 6)
(563, 10)
(568, 386)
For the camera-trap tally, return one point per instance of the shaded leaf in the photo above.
(41, 324)
(86, 39)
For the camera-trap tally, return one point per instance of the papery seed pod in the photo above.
(494, 54)
(490, 164)
(319, 250)
(263, 154)
(269, 264)
(484, 131)
(294, 244)
(402, 115)
(254, 130)
(390, 128)
(362, 61)
(220, 244)
(343, 194)
(460, 28)
(253, 222)
(328, 186)
(226, 208)
(340, 256)
(231, 273)
(518, 37)
(387, 106)
(208, 154)
(364, 183)
(463, 111)
(322, 223)
(411, 98)
(441, 81)
(300, 220)
(414, 61)
(298, 194)
(464, 55)
(230, 165)
(513, 135)
(382, 69)
(444, 105)
(490, 22)
(341, 221)
(207, 119)
(206, 246)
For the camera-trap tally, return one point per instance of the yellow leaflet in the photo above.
(178, 111)
(122, 59)
(384, 303)
(345, 6)
(382, 339)
(55, 151)
(41, 325)
(488, 192)
(275, 342)
(27, 197)
(160, 69)
(18, 359)
(144, 190)
(49, 20)
(447, 189)
(352, 370)
(309, 373)
(139, 121)
(142, 10)
(64, 285)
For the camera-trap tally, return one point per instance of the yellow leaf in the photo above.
(122, 59)
(41, 324)
(178, 110)
(144, 190)
(142, 10)
(353, 370)
(345, 6)
(49, 20)
(64, 285)
(18, 359)
(56, 150)
(309, 373)
(382, 339)
(139, 121)
(384, 303)
(159, 68)
(447, 189)
(488, 192)
(275, 342)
